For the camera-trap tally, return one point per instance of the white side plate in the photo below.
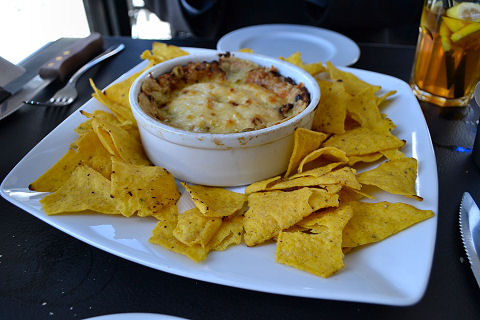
(315, 44)
(394, 271)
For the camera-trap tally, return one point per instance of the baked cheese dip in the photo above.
(225, 96)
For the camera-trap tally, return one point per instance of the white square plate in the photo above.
(393, 272)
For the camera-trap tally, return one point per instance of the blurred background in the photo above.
(27, 25)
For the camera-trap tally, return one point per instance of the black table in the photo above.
(46, 274)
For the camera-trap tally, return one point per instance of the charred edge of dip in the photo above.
(156, 93)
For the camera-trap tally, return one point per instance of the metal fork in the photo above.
(68, 93)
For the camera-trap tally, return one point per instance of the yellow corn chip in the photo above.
(312, 68)
(322, 157)
(86, 189)
(347, 194)
(84, 127)
(270, 212)
(195, 228)
(372, 157)
(320, 250)
(305, 141)
(162, 52)
(319, 254)
(333, 219)
(324, 198)
(261, 185)
(87, 151)
(123, 113)
(215, 202)
(120, 142)
(118, 92)
(168, 213)
(372, 222)
(352, 84)
(144, 190)
(317, 172)
(363, 108)
(343, 176)
(393, 154)
(162, 235)
(229, 234)
(332, 109)
(394, 176)
(361, 141)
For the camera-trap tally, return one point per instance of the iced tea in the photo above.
(447, 61)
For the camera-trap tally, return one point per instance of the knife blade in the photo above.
(470, 231)
(57, 68)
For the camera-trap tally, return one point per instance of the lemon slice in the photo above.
(454, 24)
(465, 31)
(465, 11)
(445, 37)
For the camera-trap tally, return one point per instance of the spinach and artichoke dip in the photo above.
(225, 96)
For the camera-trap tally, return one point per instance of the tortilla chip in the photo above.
(323, 198)
(261, 185)
(332, 109)
(229, 234)
(393, 154)
(119, 91)
(372, 157)
(120, 143)
(318, 251)
(168, 213)
(305, 141)
(394, 176)
(353, 85)
(144, 190)
(319, 254)
(322, 157)
(363, 109)
(344, 176)
(362, 141)
(84, 127)
(312, 68)
(162, 52)
(333, 219)
(215, 202)
(162, 235)
(270, 212)
(347, 194)
(195, 228)
(123, 113)
(373, 222)
(86, 189)
(88, 151)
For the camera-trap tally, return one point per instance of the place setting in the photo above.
(274, 163)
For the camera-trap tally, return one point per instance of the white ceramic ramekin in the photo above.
(232, 159)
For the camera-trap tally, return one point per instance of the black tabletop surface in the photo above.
(47, 274)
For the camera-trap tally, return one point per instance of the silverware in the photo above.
(470, 231)
(59, 67)
(68, 93)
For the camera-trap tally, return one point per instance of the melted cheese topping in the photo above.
(226, 96)
(222, 107)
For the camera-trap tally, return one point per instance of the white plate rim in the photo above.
(321, 289)
(135, 316)
(347, 51)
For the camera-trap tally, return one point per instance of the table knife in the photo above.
(470, 231)
(57, 68)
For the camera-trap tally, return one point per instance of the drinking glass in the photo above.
(447, 60)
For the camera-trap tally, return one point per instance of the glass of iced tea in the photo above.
(447, 61)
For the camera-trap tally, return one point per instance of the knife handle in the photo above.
(72, 58)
